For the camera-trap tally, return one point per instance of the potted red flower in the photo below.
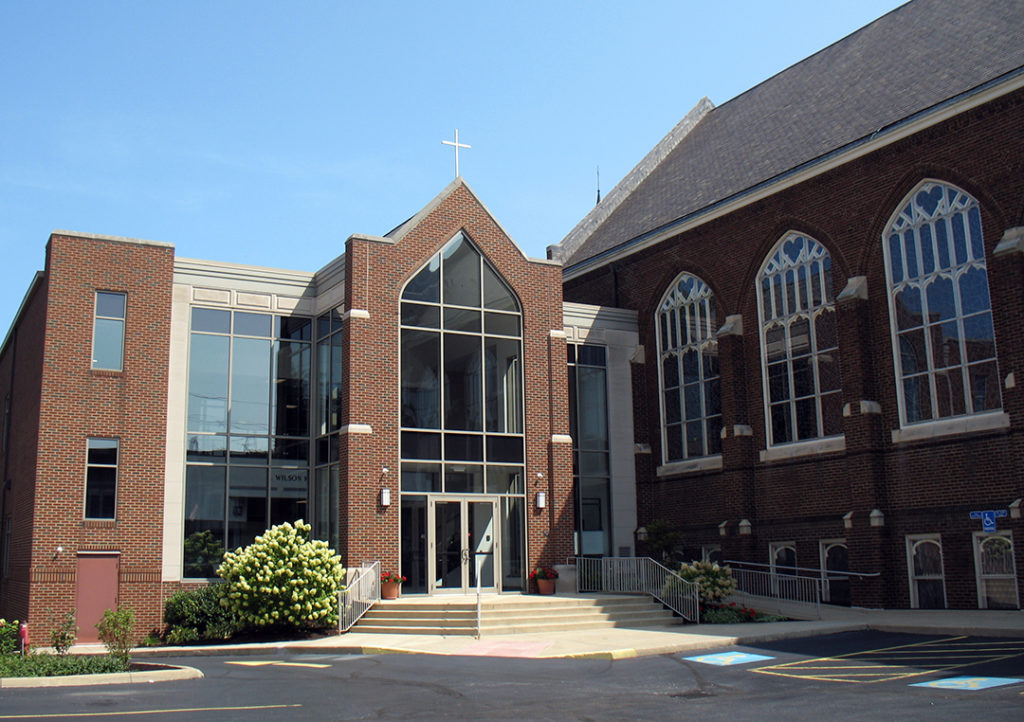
(545, 578)
(390, 585)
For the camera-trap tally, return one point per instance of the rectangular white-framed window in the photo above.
(101, 478)
(995, 570)
(108, 331)
(925, 571)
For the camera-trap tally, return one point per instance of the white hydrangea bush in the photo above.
(283, 578)
(715, 582)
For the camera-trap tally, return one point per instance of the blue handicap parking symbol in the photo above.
(726, 659)
(968, 683)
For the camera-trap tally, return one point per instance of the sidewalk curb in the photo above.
(81, 680)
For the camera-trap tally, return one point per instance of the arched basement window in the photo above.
(691, 409)
(944, 346)
(799, 345)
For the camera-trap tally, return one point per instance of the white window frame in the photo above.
(977, 539)
(813, 257)
(823, 546)
(679, 303)
(708, 549)
(912, 540)
(96, 317)
(910, 218)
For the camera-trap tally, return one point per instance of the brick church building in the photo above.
(790, 334)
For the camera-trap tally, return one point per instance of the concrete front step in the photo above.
(513, 615)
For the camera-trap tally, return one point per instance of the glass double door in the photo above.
(463, 543)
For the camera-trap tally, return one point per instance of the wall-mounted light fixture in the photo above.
(641, 534)
(541, 500)
(745, 527)
(385, 492)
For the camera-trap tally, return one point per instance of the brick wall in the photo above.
(922, 487)
(21, 382)
(78, 403)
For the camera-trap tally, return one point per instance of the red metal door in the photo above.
(96, 592)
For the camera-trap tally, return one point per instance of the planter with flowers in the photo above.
(545, 578)
(390, 585)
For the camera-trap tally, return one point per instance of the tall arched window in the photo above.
(462, 395)
(799, 345)
(691, 409)
(944, 346)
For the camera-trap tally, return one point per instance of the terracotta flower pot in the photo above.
(390, 590)
(546, 586)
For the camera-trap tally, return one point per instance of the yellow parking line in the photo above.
(301, 664)
(137, 712)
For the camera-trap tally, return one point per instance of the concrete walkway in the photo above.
(624, 642)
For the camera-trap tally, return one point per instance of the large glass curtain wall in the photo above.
(461, 401)
(588, 421)
(328, 424)
(248, 423)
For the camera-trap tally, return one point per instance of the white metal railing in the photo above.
(362, 591)
(639, 575)
(795, 584)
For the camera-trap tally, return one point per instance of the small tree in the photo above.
(64, 633)
(662, 539)
(283, 578)
(115, 630)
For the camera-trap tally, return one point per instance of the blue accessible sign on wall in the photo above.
(988, 518)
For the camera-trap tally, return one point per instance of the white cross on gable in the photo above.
(457, 145)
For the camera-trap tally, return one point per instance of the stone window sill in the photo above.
(951, 427)
(690, 466)
(804, 448)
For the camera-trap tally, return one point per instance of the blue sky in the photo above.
(268, 132)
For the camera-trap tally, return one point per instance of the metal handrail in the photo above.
(479, 610)
(361, 592)
(772, 585)
(639, 575)
(816, 570)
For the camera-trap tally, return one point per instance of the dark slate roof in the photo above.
(911, 59)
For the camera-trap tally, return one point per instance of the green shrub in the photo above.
(53, 665)
(198, 614)
(115, 630)
(10, 642)
(714, 582)
(283, 579)
(64, 633)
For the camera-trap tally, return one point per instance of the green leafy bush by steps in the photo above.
(283, 578)
(714, 581)
(197, 614)
(9, 641)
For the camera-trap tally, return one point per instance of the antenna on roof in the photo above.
(598, 184)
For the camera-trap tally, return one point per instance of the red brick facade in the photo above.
(65, 402)
(927, 486)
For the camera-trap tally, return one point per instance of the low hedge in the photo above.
(53, 665)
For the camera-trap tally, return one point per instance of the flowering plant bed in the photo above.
(391, 577)
(733, 613)
(543, 573)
